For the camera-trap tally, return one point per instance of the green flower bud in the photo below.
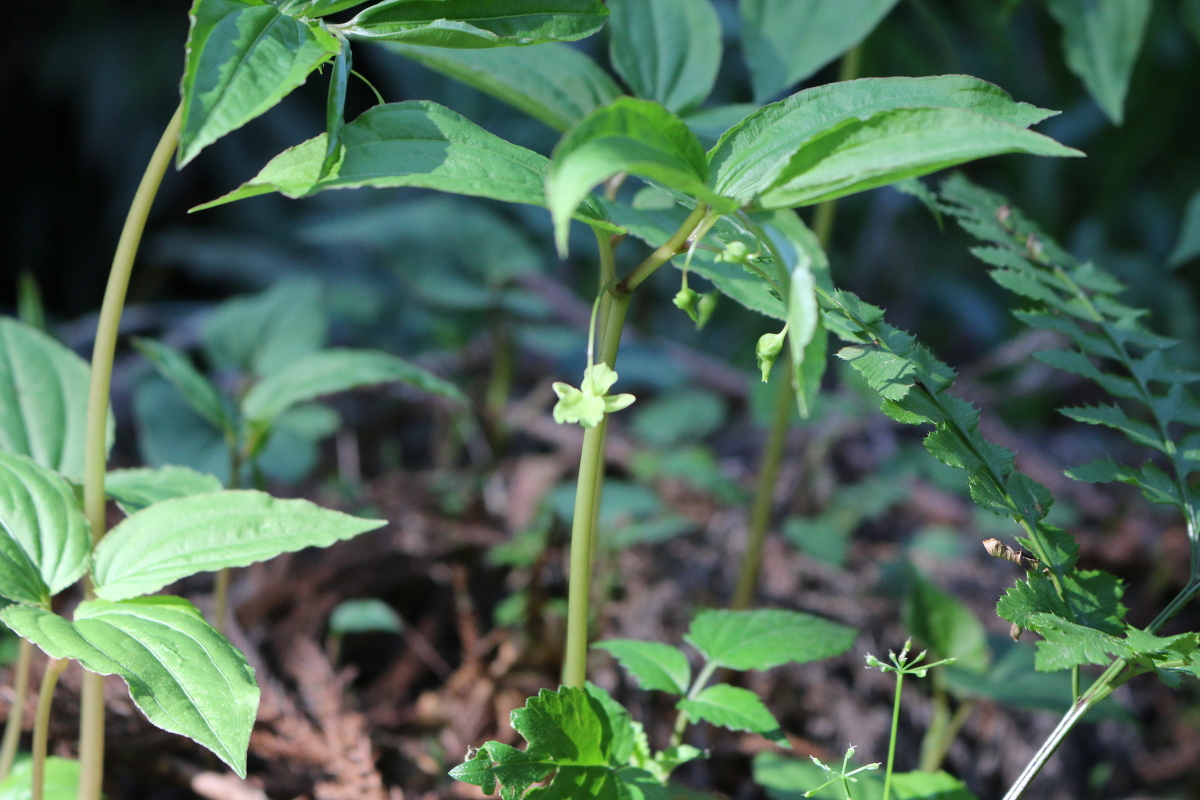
(735, 252)
(769, 346)
(705, 308)
(686, 300)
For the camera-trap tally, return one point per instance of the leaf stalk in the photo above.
(41, 725)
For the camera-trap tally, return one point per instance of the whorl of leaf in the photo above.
(1153, 408)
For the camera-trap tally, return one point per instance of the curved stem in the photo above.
(41, 725)
(91, 739)
(16, 712)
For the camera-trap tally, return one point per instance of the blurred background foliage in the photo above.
(87, 85)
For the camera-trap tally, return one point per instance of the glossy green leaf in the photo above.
(135, 489)
(43, 399)
(45, 540)
(263, 333)
(177, 369)
(478, 23)
(946, 626)
(709, 124)
(243, 57)
(363, 616)
(666, 50)
(61, 780)
(1187, 245)
(553, 82)
(184, 675)
(895, 145)
(734, 708)
(316, 8)
(653, 665)
(766, 638)
(786, 41)
(634, 136)
(584, 738)
(335, 106)
(415, 143)
(206, 532)
(1101, 40)
(331, 371)
(751, 155)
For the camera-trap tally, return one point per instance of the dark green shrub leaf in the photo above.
(553, 82)
(197, 390)
(894, 145)
(786, 41)
(184, 675)
(243, 57)
(751, 156)
(734, 708)
(628, 135)
(135, 489)
(45, 540)
(666, 50)
(206, 532)
(43, 399)
(331, 371)
(766, 638)
(478, 23)
(266, 332)
(1101, 40)
(946, 626)
(653, 665)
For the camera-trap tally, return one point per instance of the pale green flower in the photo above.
(588, 404)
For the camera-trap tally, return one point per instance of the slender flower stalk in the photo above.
(91, 722)
(16, 711)
(41, 725)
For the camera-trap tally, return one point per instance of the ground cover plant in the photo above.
(656, 163)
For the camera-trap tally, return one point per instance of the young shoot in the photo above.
(902, 665)
(843, 775)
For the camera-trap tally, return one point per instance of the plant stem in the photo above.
(614, 301)
(943, 730)
(682, 719)
(91, 717)
(764, 490)
(891, 760)
(41, 725)
(16, 712)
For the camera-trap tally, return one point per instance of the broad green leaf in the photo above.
(415, 143)
(653, 665)
(330, 371)
(43, 399)
(666, 50)
(1187, 245)
(655, 226)
(171, 433)
(752, 154)
(1101, 40)
(478, 23)
(184, 675)
(315, 8)
(266, 332)
(243, 56)
(584, 737)
(896, 145)
(335, 105)
(734, 708)
(206, 532)
(766, 638)
(638, 137)
(709, 124)
(61, 779)
(363, 616)
(135, 489)
(176, 369)
(553, 82)
(45, 540)
(786, 41)
(945, 625)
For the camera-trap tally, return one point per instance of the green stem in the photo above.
(673, 247)
(16, 712)
(943, 730)
(891, 759)
(764, 491)
(41, 725)
(682, 719)
(91, 716)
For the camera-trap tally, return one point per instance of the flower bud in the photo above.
(769, 346)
